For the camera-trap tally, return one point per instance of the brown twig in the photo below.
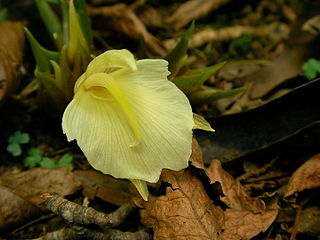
(257, 172)
(275, 31)
(77, 214)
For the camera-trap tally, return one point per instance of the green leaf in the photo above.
(195, 78)
(51, 21)
(65, 161)
(208, 94)
(84, 21)
(53, 1)
(178, 55)
(19, 138)
(41, 54)
(51, 90)
(14, 149)
(3, 14)
(34, 157)
(47, 163)
(311, 68)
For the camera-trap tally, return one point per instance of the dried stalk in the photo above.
(77, 214)
(275, 31)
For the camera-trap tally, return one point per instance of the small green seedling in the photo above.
(65, 161)
(35, 158)
(15, 142)
(311, 68)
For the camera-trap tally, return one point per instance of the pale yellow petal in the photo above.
(201, 123)
(142, 188)
(110, 61)
(163, 114)
(107, 81)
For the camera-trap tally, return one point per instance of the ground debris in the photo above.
(185, 212)
(81, 233)
(305, 177)
(276, 32)
(193, 9)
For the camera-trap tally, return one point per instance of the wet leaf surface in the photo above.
(239, 134)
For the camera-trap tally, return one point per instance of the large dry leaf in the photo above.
(246, 216)
(185, 212)
(285, 117)
(196, 158)
(32, 183)
(193, 9)
(14, 210)
(122, 19)
(305, 177)
(105, 187)
(11, 54)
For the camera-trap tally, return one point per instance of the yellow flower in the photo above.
(129, 120)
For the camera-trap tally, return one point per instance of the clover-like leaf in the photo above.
(311, 68)
(47, 163)
(34, 157)
(14, 149)
(19, 138)
(65, 161)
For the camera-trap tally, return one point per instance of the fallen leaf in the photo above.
(234, 194)
(312, 25)
(149, 16)
(307, 176)
(196, 155)
(30, 184)
(11, 54)
(310, 221)
(184, 212)
(243, 133)
(193, 9)
(122, 19)
(105, 187)
(245, 216)
(14, 210)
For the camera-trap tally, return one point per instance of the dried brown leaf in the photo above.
(105, 187)
(32, 183)
(310, 221)
(234, 194)
(246, 216)
(185, 212)
(14, 210)
(150, 16)
(11, 53)
(193, 9)
(122, 19)
(307, 176)
(196, 155)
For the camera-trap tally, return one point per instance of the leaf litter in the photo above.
(217, 197)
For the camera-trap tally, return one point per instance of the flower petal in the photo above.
(201, 123)
(163, 114)
(110, 60)
(142, 188)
